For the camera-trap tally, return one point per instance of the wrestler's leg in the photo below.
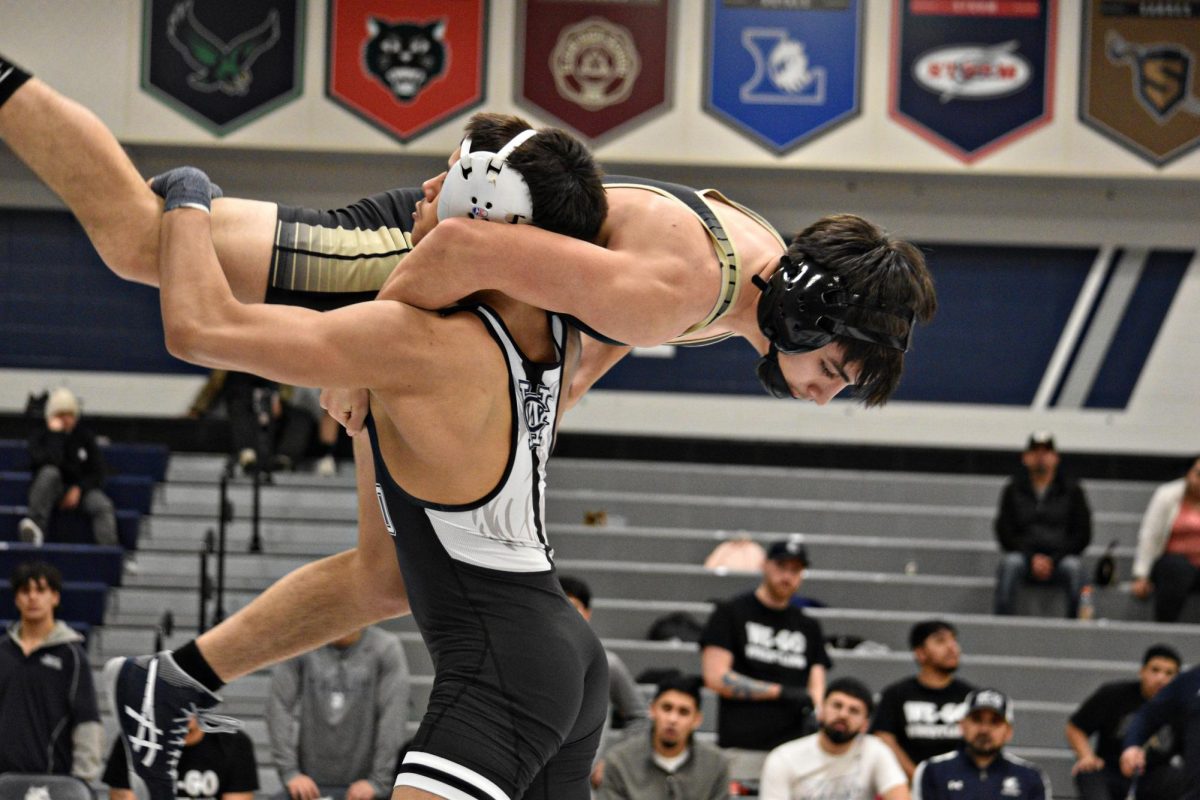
(76, 156)
(319, 602)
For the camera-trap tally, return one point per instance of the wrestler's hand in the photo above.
(185, 187)
(303, 787)
(348, 406)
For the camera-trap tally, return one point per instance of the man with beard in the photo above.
(1043, 526)
(766, 659)
(918, 717)
(981, 770)
(674, 764)
(1107, 714)
(838, 762)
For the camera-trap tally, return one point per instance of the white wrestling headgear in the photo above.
(482, 186)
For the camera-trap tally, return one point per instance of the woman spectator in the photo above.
(1168, 550)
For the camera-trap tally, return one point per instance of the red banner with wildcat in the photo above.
(595, 65)
(406, 66)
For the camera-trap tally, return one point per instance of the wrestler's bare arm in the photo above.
(644, 288)
(71, 150)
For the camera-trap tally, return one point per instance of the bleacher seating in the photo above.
(120, 458)
(82, 601)
(888, 549)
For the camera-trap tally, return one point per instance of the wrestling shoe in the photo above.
(153, 700)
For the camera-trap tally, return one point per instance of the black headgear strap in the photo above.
(803, 308)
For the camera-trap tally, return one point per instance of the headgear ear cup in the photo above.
(802, 308)
(481, 185)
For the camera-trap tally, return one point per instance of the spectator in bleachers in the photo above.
(766, 659)
(1043, 526)
(1107, 714)
(669, 763)
(841, 761)
(627, 711)
(68, 472)
(49, 721)
(337, 716)
(981, 768)
(1176, 704)
(1168, 549)
(918, 717)
(212, 766)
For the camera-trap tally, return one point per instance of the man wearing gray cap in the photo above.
(766, 659)
(981, 770)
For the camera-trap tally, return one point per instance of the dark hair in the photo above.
(885, 271)
(923, 630)
(574, 587)
(1161, 651)
(34, 572)
(854, 688)
(678, 682)
(562, 176)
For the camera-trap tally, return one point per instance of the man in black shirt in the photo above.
(767, 661)
(213, 766)
(918, 717)
(1107, 714)
(1043, 525)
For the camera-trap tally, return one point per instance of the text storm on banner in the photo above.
(970, 77)
(783, 76)
(596, 66)
(1141, 65)
(407, 66)
(223, 63)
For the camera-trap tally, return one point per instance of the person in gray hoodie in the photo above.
(48, 711)
(336, 717)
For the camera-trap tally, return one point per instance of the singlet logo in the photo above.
(383, 509)
(535, 401)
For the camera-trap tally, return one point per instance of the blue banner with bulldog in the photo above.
(783, 76)
(972, 77)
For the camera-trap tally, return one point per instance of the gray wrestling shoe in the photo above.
(153, 700)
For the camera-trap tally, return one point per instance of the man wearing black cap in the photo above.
(981, 770)
(766, 659)
(1043, 525)
(918, 717)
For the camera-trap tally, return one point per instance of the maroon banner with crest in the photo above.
(406, 66)
(595, 66)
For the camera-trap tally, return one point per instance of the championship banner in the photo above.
(971, 77)
(223, 63)
(783, 76)
(596, 66)
(1138, 83)
(406, 66)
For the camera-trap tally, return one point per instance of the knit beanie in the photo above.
(62, 401)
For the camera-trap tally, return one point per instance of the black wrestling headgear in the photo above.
(803, 307)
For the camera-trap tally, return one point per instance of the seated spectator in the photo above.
(1106, 714)
(918, 717)
(627, 711)
(838, 762)
(1043, 526)
(1168, 549)
(1177, 704)
(68, 472)
(213, 766)
(767, 661)
(669, 763)
(49, 722)
(336, 717)
(981, 768)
